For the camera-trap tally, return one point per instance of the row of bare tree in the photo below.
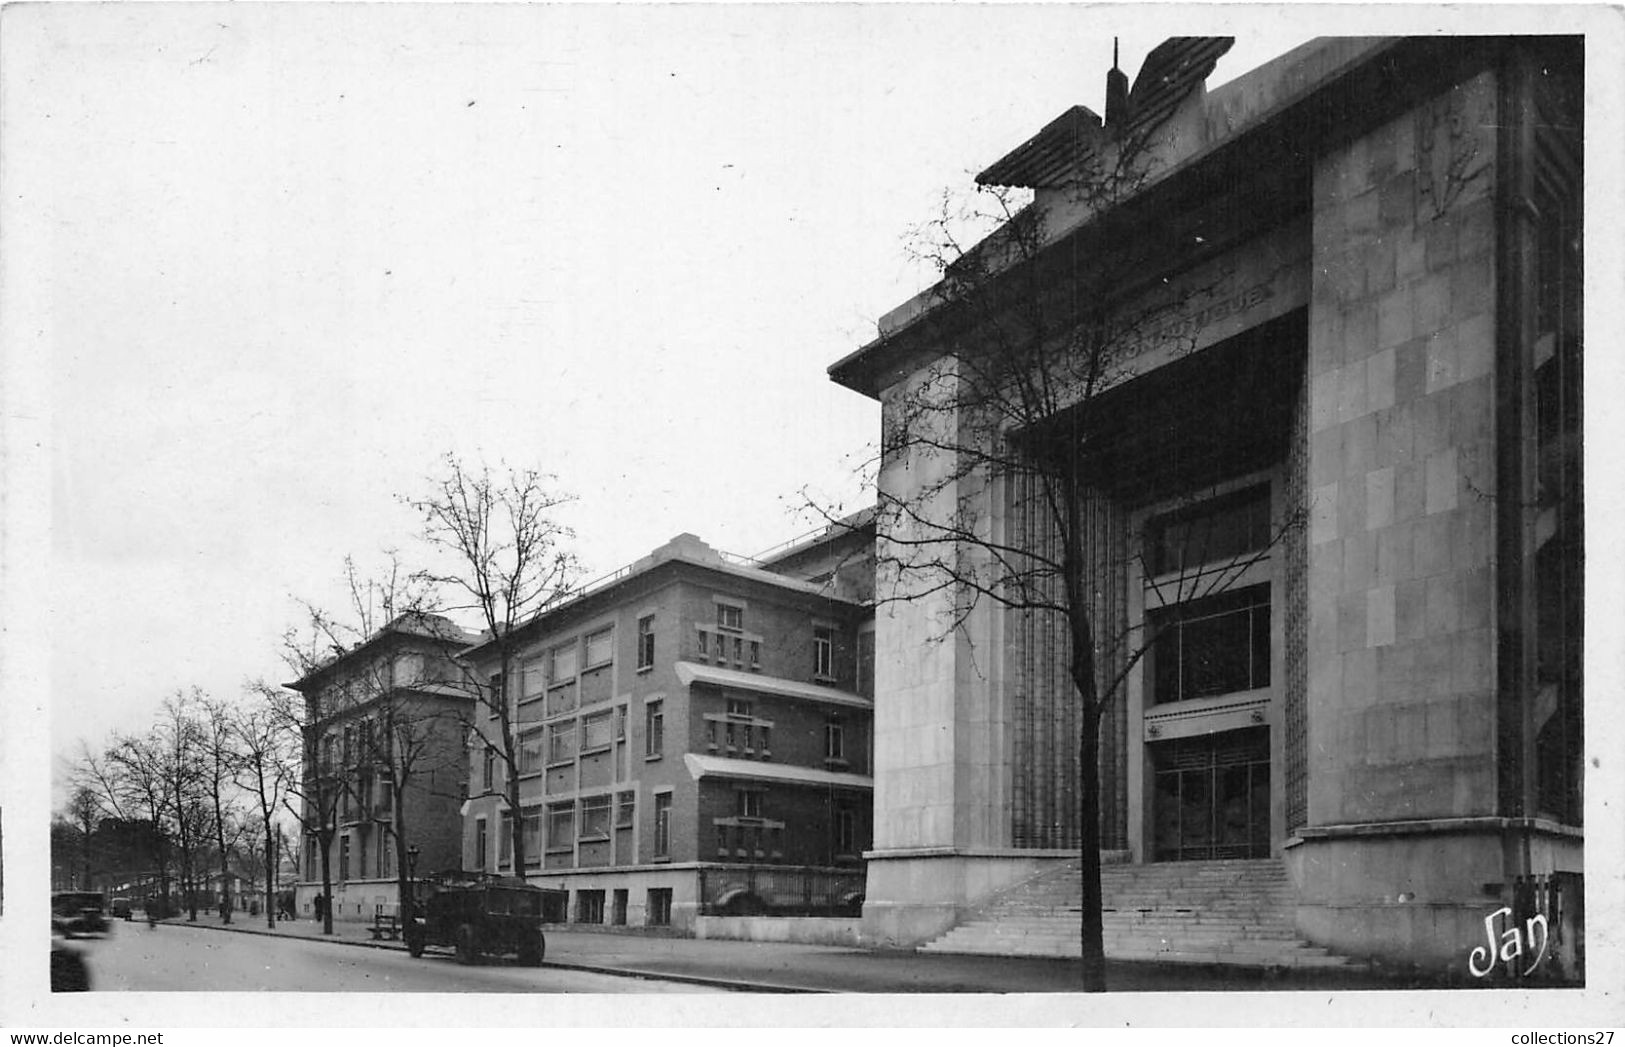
(217, 787)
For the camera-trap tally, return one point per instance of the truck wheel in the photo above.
(414, 941)
(531, 955)
(466, 952)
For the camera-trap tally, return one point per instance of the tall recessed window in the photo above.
(730, 617)
(834, 740)
(663, 825)
(646, 641)
(561, 827)
(823, 652)
(654, 729)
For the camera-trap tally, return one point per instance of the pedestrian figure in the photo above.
(319, 903)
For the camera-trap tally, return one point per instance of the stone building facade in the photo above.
(695, 739)
(387, 720)
(1346, 291)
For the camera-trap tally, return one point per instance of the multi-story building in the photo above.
(1346, 294)
(388, 762)
(695, 738)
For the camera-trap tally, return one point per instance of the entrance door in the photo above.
(1212, 797)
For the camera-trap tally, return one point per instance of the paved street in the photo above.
(177, 957)
(579, 961)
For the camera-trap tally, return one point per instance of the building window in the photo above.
(488, 770)
(748, 803)
(595, 732)
(755, 654)
(846, 831)
(532, 679)
(600, 648)
(344, 857)
(312, 861)
(654, 729)
(562, 742)
(834, 740)
(1219, 530)
(824, 652)
(505, 839)
(561, 827)
(562, 662)
(480, 843)
(663, 825)
(739, 707)
(589, 906)
(703, 638)
(625, 810)
(533, 835)
(618, 907)
(530, 752)
(646, 642)
(620, 723)
(1216, 645)
(595, 818)
(494, 690)
(659, 907)
(730, 617)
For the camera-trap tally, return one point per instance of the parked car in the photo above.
(479, 915)
(78, 913)
(122, 908)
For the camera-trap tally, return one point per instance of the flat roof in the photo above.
(756, 770)
(694, 672)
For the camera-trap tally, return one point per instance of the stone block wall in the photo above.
(1401, 702)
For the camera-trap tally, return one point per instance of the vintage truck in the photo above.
(478, 915)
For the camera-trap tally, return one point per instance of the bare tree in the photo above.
(130, 777)
(994, 454)
(221, 760)
(503, 559)
(267, 764)
(84, 813)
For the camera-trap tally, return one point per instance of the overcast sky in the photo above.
(290, 255)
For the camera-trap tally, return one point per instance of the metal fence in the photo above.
(776, 890)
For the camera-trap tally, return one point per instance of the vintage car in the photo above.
(123, 908)
(78, 913)
(478, 915)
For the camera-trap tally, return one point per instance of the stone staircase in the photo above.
(1237, 913)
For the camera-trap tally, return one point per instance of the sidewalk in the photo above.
(777, 967)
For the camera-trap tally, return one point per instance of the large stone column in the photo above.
(1402, 834)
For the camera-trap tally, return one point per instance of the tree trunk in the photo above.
(225, 871)
(1094, 952)
(403, 869)
(271, 866)
(327, 882)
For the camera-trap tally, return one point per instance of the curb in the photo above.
(731, 984)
